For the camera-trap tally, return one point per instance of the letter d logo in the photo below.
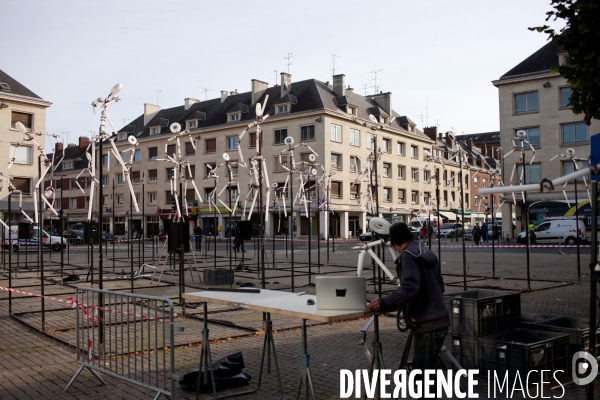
(583, 367)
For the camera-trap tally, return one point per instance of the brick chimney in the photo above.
(188, 102)
(339, 85)
(58, 148)
(224, 94)
(470, 144)
(233, 92)
(286, 83)
(84, 142)
(150, 110)
(258, 89)
(448, 140)
(383, 100)
(431, 132)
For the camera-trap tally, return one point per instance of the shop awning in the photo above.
(449, 215)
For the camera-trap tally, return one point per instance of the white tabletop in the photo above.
(275, 302)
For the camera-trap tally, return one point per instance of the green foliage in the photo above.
(581, 39)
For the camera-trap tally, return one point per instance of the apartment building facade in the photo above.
(19, 104)
(536, 100)
(330, 118)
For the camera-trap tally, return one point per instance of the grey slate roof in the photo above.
(15, 86)
(481, 138)
(288, 98)
(539, 62)
(310, 95)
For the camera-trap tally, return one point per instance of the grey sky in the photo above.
(71, 52)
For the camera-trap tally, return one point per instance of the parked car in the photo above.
(74, 237)
(107, 237)
(11, 238)
(451, 229)
(564, 230)
(365, 237)
(416, 232)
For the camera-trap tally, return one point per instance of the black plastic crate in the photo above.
(524, 350)
(218, 276)
(531, 320)
(578, 330)
(483, 312)
(465, 349)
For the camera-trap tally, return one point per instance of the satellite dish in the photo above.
(312, 157)
(19, 125)
(288, 140)
(521, 134)
(225, 156)
(314, 171)
(132, 140)
(274, 184)
(372, 118)
(379, 225)
(175, 127)
(116, 89)
(570, 152)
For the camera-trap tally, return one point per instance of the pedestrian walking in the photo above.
(476, 234)
(198, 235)
(423, 233)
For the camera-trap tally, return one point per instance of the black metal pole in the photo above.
(462, 223)
(130, 244)
(594, 275)
(181, 245)
(309, 216)
(230, 230)
(113, 222)
(261, 224)
(291, 224)
(144, 225)
(493, 231)
(62, 233)
(437, 194)
(215, 227)
(40, 248)
(10, 250)
(526, 221)
(318, 231)
(577, 231)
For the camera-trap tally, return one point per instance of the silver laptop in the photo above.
(341, 292)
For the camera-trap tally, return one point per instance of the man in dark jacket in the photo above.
(420, 295)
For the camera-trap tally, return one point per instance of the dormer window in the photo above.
(351, 110)
(122, 136)
(283, 108)
(234, 117)
(155, 130)
(192, 124)
(4, 86)
(68, 165)
(564, 59)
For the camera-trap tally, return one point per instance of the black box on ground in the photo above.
(217, 276)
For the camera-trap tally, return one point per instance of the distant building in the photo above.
(536, 100)
(19, 104)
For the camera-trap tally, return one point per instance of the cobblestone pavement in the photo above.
(35, 366)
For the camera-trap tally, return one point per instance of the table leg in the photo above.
(305, 377)
(205, 359)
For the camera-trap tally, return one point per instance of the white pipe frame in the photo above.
(576, 168)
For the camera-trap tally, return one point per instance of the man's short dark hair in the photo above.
(400, 233)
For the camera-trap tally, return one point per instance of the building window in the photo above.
(475, 201)
(386, 146)
(280, 135)
(67, 164)
(532, 173)
(526, 102)
(234, 167)
(253, 139)
(122, 136)
(568, 168)
(23, 154)
(120, 199)
(190, 173)
(152, 175)
(336, 133)
(426, 176)
(354, 164)
(565, 93)
(354, 137)
(137, 156)
(574, 133)
(234, 117)
(211, 145)
(414, 197)
(387, 194)
(135, 176)
(153, 153)
(336, 189)
(401, 196)
(414, 174)
(73, 203)
(119, 179)
(154, 131)
(401, 172)
(484, 183)
(170, 173)
(209, 167)
(104, 200)
(400, 147)
(354, 192)
(104, 160)
(22, 184)
(192, 124)
(24, 118)
(232, 143)
(278, 165)
(351, 110)
(189, 149)
(104, 180)
(152, 198)
(283, 108)
(475, 181)
(171, 148)
(370, 141)
(533, 137)
(414, 152)
(307, 133)
(387, 170)
(336, 161)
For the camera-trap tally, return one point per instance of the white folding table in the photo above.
(275, 302)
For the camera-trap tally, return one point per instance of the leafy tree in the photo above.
(581, 39)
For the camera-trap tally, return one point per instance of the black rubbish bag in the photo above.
(228, 375)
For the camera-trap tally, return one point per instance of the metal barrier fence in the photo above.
(127, 336)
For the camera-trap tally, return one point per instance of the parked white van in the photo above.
(563, 230)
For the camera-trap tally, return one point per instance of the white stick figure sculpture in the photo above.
(5, 180)
(571, 156)
(48, 165)
(521, 139)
